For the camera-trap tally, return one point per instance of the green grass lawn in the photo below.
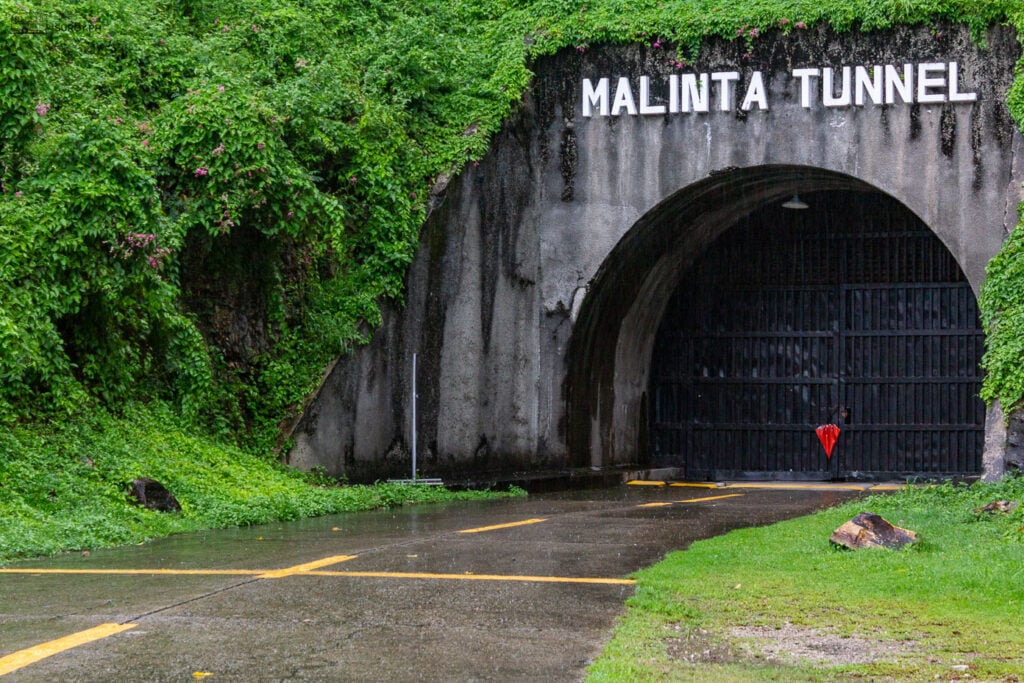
(779, 603)
(64, 486)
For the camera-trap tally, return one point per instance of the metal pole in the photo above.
(414, 418)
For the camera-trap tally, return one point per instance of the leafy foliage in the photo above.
(65, 487)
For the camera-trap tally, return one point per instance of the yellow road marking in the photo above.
(502, 526)
(305, 568)
(476, 577)
(31, 655)
(696, 485)
(259, 573)
(644, 482)
(137, 572)
(821, 486)
(886, 487)
(653, 505)
(702, 500)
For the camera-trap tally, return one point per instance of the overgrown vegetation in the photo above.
(947, 607)
(202, 202)
(68, 486)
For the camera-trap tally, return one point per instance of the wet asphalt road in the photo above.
(401, 595)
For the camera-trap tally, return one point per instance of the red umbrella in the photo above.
(828, 435)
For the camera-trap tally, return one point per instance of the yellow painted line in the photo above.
(704, 500)
(138, 572)
(643, 482)
(653, 505)
(476, 577)
(887, 487)
(305, 568)
(696, 485)
(803, 487)
(502, 526)
(23, 658)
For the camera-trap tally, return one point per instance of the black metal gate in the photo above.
(850, 312)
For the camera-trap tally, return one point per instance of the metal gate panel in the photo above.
(791, 318)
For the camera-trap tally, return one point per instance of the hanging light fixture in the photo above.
(795, 203)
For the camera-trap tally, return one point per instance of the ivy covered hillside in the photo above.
(203, 202)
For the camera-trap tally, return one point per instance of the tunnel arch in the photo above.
(610, 350)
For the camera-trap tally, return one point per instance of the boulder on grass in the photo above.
(153, 495)
(868, 530)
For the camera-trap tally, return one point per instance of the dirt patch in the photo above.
(698, 646)
(795, 643)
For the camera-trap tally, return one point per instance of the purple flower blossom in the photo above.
(220, 88)
(201, 171)
(746, 55)
(754, 33)
(260, 145)
(801, 24)
(656, 44)
(42, 108)
(680, 65)
(291, 214)
(353, 180)
(17, 195)
(218, 150)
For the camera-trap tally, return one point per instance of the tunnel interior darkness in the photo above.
(722, 252)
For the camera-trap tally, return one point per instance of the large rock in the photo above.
(153, 495)
(868, 530)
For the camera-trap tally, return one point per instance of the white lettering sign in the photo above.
(858, 86)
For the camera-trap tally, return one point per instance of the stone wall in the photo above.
(541, 277)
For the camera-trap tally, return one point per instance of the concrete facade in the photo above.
(542, 276)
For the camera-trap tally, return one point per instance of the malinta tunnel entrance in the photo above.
(849, 311)
(624, 290)
(729, 327)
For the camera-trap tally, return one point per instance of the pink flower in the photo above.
(220, 88)
(260, 145)
(746, 55)
(42, 108)
(218, 150)
(801, 24)
(291, 214)
(680, 65)
(17, 195)
(656, 44)
(255, 28)
(353, 180)
(783, 21)
(754, 33)
(145, 143)
(201, 171)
